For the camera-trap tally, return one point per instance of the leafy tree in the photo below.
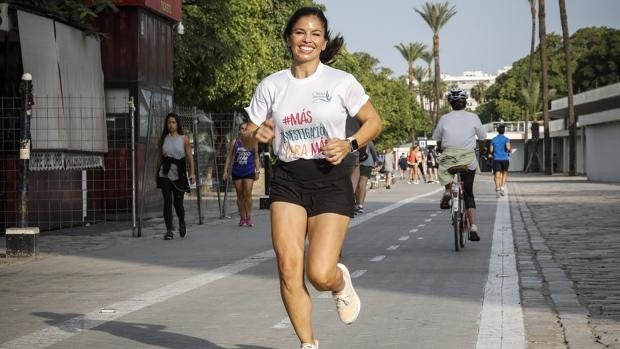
(595, 53)
(227, 48)
(596, 56)
(401, 114)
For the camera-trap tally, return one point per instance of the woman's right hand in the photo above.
(224, 175)
(265, 132)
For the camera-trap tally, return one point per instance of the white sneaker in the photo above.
(502, 191)
(314, 345)
(348, 303)
(498, 192)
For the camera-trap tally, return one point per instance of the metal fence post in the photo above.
(24, 148)
(132, 109)
(196, 166)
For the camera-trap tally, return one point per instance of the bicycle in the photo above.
(460, 222)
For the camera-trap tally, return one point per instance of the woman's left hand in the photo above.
(336, 150)
(192, 178)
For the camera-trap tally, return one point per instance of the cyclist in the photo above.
(456, 134)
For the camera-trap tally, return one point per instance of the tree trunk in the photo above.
(572, 122)
(529, 73)
(437, 77)
(545, 83)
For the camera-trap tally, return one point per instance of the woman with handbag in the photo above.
(172, 176)
(245, 170)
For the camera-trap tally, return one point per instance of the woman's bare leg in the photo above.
(288, 233)
(326, 233)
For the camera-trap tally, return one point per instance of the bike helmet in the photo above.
(456, 94)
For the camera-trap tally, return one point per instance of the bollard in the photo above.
(23, 240)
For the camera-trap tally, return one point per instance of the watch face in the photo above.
(354, 145)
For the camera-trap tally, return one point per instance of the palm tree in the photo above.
(419, 74)
(572, 126)
(530, 66)
(531, 99)
(411, 52)
(477, 92)
(436, 15)
(427, 56)
(542, 33)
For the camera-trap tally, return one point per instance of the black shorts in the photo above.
(365, 171)
(316, 185)
(500, 165)
(249, 176)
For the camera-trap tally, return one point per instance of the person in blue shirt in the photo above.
(500, 152)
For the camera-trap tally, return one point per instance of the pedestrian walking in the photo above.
(370, 159)
(389, 166)
(499, 150)
(303, 110)
(431, 164)
(244, 167)
(172, 176)
(402, 165)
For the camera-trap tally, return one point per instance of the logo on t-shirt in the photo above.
(321, 97)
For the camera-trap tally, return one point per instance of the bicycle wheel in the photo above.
(456, 224)
(464, 236)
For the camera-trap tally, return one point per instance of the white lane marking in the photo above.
(358, 273)
(413, 230)
(393, 247)
(360, 219)
(54, 334)
(285, 323)
(428, 220)
(404, 238)
(433, 215)
(501, 320)
(421, 225)
(377, 259)
(420, 238)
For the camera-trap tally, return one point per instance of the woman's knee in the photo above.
(291, 272)
(321, 276)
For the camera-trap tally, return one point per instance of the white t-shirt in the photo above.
(306, 112)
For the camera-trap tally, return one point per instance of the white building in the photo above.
(471, 78)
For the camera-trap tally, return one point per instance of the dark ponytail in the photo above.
(333, 45)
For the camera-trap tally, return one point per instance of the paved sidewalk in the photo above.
(567, 239)
(78, 240)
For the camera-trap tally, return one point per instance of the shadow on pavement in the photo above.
(150, 334)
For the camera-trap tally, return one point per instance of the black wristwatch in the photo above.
(353, 146)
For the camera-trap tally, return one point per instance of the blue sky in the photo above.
(484, 34)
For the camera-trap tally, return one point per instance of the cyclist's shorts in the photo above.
(500, 165)
(315, 185)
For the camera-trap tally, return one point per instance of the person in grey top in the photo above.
(172, 176)
(457, 133)
(389, 165)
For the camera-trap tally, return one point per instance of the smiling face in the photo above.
(307, 39)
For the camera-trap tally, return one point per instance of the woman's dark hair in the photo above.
(333, 45)
(164, 133)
